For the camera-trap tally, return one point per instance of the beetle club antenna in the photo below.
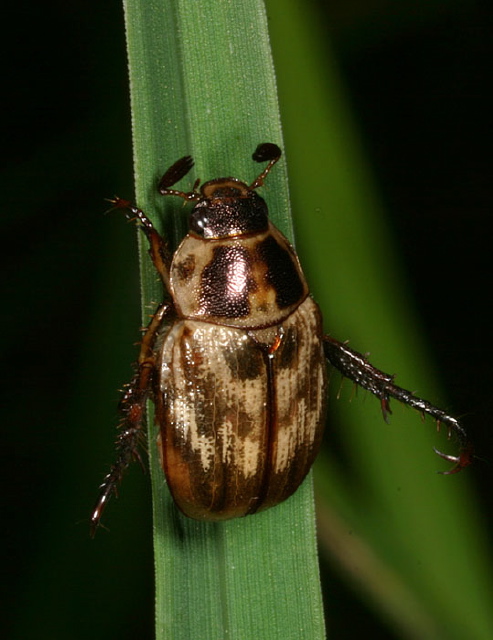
(173, 175)
(265, 151)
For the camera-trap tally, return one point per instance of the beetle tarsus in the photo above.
(133, 212)
(127, 443)
(355, 366)
(158, 249)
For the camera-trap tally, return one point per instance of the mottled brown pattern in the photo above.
(217, 426)
(263, 293)
(226, 283)
(283, 273)
(243, 363)
(184, 269)
(287, 358)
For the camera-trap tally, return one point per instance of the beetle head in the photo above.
(225, 207)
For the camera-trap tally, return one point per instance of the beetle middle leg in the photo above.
(132, 411)
(355, 366)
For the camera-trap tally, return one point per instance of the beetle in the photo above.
(235, 359)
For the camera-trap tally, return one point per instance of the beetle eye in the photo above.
(199, 221)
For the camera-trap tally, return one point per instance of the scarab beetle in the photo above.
(235, 359)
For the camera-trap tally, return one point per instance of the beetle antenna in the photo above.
(265, 151)
(174, 174)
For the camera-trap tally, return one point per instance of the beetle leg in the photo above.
(355, 366)
(132, 411)
(158, 249)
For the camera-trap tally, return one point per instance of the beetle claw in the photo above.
(463, 460)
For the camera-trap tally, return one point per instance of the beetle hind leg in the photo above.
(355, 366)
(132, 410)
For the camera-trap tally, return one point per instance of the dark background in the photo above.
(70, 276)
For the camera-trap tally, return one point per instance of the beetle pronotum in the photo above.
(235, 359)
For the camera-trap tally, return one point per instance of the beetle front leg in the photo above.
(355, 366)
(132, 411)
(158, 249)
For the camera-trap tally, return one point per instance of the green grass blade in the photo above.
(202, 82)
